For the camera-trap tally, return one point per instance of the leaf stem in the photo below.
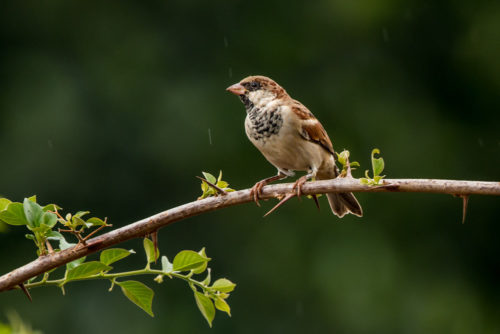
(113, 276)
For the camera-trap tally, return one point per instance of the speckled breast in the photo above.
(260, 125)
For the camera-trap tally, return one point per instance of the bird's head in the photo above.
(257, 91)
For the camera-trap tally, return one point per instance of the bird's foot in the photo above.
(256, 191)
(297, 187)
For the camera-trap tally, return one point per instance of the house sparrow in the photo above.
(290, 138)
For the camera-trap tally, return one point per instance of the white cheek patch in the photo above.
(261, 97)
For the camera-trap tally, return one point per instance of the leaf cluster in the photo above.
(186, 263)
(377, 167)
(208, 189)
(347, 166)
(41, 221)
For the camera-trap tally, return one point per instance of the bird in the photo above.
(291, 138)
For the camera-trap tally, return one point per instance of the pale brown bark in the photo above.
(153, 223)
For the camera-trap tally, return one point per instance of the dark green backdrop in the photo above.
(108, 106)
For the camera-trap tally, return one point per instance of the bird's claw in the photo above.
(256, 191)
(298, 190)
(297, 187)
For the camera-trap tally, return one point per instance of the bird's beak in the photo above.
(236, 89)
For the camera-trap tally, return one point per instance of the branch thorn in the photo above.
(285, 199)
(219, 190)
(26, 292)
(315, 198)
(465, 201)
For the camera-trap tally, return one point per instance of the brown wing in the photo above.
(311, 128)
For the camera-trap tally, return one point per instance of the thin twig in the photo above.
(153, 223)
(49, 247)
(95, 231)
(75, 233)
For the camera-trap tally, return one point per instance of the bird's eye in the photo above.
(255, 85)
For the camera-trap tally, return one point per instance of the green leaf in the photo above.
(80, 214)
(14, 214)
(32, 198)
(33, 212)
(77, 221)
(75, 263)
(204, 187)
(364, 181)
(87, 269)
(219, 178)
(342, 157)
(30, 237)
(355, 164)
(166, 266)
(222, 184)
(209, 177)
(63, 244)
(149, 248)
(222, 305)
(49, 219)
(109, 256)
(201, 268)
(223, 285)
(205, 306)
(43, 228)
(377, 163)
(51, 207)
(96, 221)
(187, 260)
(139, 294)
(4, 202)
(53, 235)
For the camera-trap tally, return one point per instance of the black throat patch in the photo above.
(246, 101)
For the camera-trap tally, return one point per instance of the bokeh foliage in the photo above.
(116, 106)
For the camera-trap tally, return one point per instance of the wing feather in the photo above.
(311, 129)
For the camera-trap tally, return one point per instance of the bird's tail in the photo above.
(343, 203)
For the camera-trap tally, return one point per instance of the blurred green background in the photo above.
(114, 107)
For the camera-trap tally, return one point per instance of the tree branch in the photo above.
(153, 223)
